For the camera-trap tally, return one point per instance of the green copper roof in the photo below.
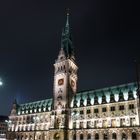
(37, 104)
(115, 90)
(66, 40)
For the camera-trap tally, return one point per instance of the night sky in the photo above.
(106, 37)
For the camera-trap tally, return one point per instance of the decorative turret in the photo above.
(103, 99)
(75, 102)
(14, 108)
(112, 98)
(81, 101)
(121, 97)
(96, 100)
(130, 95)
(88, 100)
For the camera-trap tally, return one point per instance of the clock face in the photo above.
(60, 82)
(72, 83)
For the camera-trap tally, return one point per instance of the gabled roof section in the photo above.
(126, 91)
(36, 105)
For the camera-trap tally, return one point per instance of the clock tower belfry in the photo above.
(65, 81)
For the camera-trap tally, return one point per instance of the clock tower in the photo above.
(65, 82)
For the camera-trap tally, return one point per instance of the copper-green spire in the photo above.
(67, 22)
(66, 40)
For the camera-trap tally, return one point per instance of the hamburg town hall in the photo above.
(111, 113)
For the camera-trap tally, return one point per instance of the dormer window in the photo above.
(112, 99)
(103, 99)
(130, 95)
(88, 100)
(96, 100)
(121, 97)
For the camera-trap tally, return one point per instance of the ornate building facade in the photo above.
(108, 113)
(3, 127)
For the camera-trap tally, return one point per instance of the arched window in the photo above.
(22, 137)
(30, 137)
(96, 136)
(81, 137)
(134, 136)
(18, 137)
(124, 137)
(74, 137)
(114, 136)
(105, 136)
(89, 137)
(56, 136)
(39, 137)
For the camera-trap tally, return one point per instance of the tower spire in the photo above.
(67, 21)
(66, 39)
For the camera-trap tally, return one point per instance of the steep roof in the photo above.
(115, 90)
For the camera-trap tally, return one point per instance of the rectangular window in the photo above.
(122, 121)
(88, 124)
(74, 124)
(104, 109)
(121, 107)
(112, 108)
(88, 111)
(131, 106)
(96, 124)
(81, 124)
(96, 110)
(132, 122)
(81, 112)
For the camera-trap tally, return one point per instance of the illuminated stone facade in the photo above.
(109, 113)
(3, 127)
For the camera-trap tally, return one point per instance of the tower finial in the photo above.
(68, 11)
(67, 21)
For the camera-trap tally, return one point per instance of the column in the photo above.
(110, 136)
(101, 135)
(129, 136)
(77, 136)
(119, 135)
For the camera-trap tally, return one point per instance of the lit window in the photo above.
(74, 124)
(122, 122)
(88, 124)
(96, 124)
(81, 124)
(132, 122)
